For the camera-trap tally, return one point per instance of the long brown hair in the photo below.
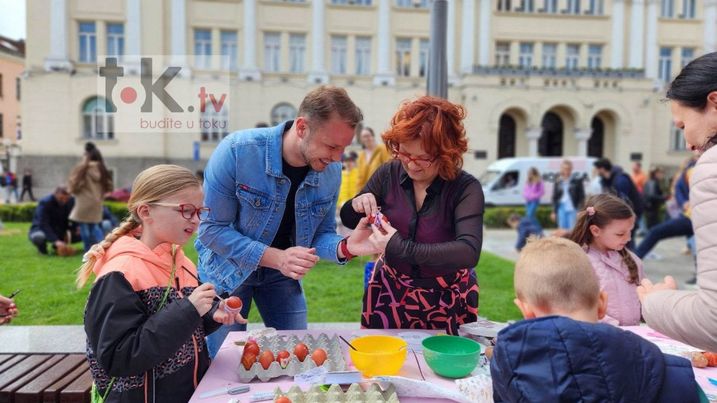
(78, 176)
(600, 210)
(151, 185)
(533, 175)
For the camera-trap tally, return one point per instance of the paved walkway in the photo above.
(671, 261)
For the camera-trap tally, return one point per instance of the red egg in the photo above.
(301, 351)
(282, 399)
(319, 356)
(233, 302)
(266, 358)
(251, 347)
(248, 359)
(282, 357)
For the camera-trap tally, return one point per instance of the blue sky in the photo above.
(12, 19)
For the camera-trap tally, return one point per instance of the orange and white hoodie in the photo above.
(147, 354)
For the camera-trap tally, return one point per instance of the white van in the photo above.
(505, 179)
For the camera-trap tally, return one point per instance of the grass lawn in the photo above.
(334, 293)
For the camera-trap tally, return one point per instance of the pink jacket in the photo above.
(691, 316)
(623, 305)
(533, 191)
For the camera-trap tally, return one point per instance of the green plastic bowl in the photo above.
(451, 356)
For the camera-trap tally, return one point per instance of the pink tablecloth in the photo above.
(222, 372)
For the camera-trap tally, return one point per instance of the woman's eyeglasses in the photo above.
(188, 210)
(419, 162)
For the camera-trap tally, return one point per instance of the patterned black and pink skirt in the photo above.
(394, 300)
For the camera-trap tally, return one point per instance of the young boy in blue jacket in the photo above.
(561, 354)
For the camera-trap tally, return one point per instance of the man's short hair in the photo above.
(62, 189)
(555, 274)
(603, 163)
(320, 105)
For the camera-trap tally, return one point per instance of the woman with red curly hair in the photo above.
(424, 278)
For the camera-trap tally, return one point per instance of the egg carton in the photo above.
(355, 393)
(335, 360)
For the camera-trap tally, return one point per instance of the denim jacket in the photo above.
(246, 191)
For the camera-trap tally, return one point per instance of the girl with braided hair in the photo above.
(603, 229)
(147, 315)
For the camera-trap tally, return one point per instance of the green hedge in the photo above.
(23, 212)
(496, 217)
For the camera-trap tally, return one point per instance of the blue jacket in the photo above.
(558, 359)
(621, 184)
(528, 226)
(682, 187)
(246, 191)
(52, 218)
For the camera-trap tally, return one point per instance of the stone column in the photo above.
(533, 135)
(179, 37)
(133, 37)
(385, 75)
(617, 41)
(58, 58)
(467, 42)
(484, 37)
(318, 74)
(582, 136)
(710, 26)
(249, 70)
(451, 42)
(637, 30)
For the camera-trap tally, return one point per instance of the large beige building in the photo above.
(537, 77)
(12, 64)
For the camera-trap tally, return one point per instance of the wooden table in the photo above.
(26, 378)
(222, 372)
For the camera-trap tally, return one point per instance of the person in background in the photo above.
(568, 196)
(349, 178)
(432, 234)
(371, 157)
(532, 192)
(526, 227)
(654, 197)
(27, 185)
(50, 222)
(638, 176)
(561, 354)
(691, 316)
(11, 187)
(616, 181)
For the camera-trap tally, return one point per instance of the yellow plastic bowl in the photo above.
(378, 355)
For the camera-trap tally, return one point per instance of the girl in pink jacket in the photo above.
(603, 229)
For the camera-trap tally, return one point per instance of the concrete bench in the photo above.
(26, 378)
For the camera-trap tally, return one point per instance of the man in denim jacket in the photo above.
(272, 193)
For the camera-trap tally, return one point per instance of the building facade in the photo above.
(537, 77)
(12, 64)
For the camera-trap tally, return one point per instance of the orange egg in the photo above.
(234, 302)
(319, 356)
(282, 399)
(301, 351)
(248, 359)
(266, 358)
(282, 357)
(251, 347)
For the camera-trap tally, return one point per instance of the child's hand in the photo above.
(202, 298)
(225, 318)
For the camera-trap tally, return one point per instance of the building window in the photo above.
(550, 51)
(573, 7)
(115, 40)
(665, 64)
(668, 9)
(97, 123)
(526, 6)
(281, 113)
(412, 3)
(504, 5)
(688, 9)
(525, 58)
(297, 51)
(202, 48)
(594, 57)
(352, 2)
(403, 57)
(677, 138)
(18, 82)
(502, 54)
(229, 45)
(595, 7)
(272, 50)
(338, 54)
(551, 6)
(214, 125)
(687, 55)
(363, 55)
(572, 56)
(423, 57)
(88, 42)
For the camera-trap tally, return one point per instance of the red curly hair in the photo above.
(439, 125)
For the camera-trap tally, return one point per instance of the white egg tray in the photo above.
(335, 360)
(355, 393)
